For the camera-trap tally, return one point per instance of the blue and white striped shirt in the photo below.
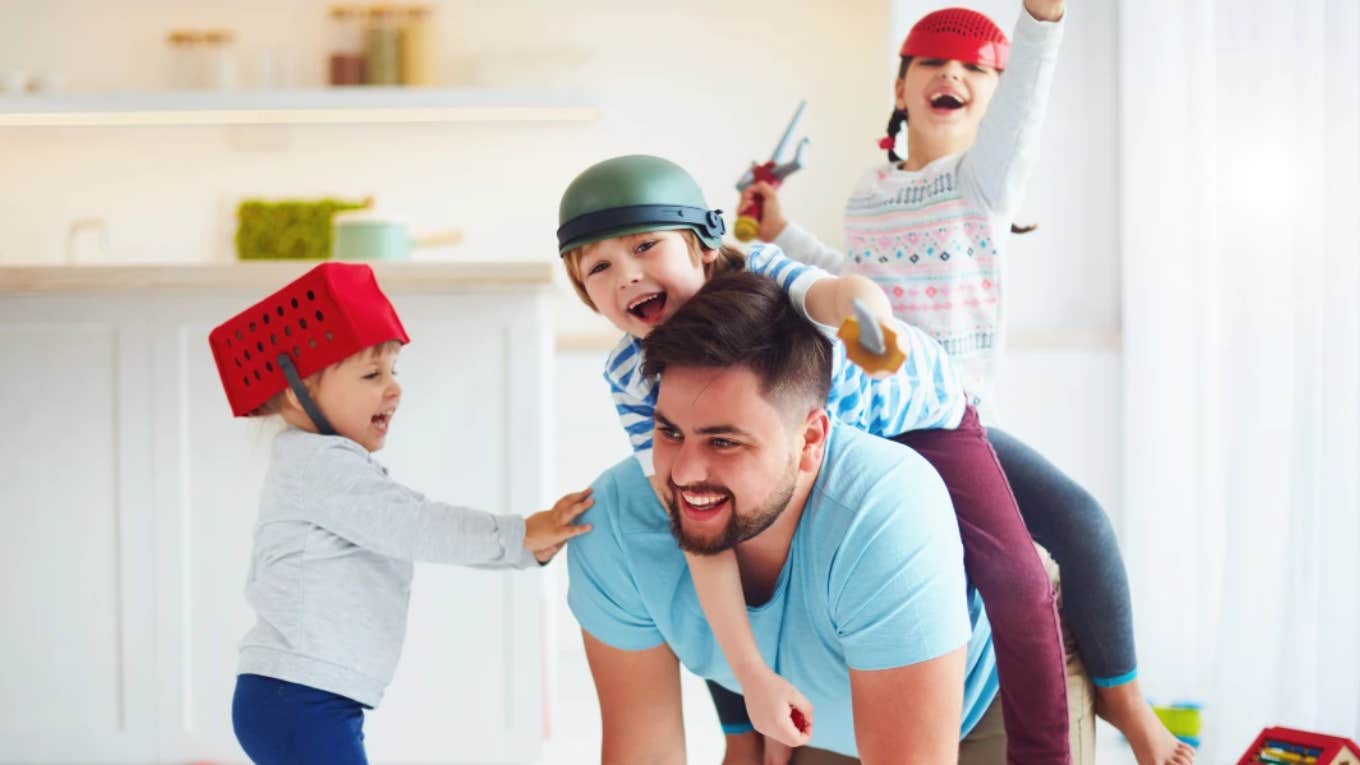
(924, 393)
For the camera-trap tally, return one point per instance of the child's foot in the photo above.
(1123, 707)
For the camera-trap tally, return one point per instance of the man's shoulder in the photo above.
(867, 463)
(624, 501)
(868, 481)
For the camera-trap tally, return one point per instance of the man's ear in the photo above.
(816, 430)
(707, 256)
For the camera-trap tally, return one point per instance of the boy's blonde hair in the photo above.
(729, 259)
(275, 405)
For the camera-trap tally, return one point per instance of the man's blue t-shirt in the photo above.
(874, 580)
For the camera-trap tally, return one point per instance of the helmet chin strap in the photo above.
(323, 426)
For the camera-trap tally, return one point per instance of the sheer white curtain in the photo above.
(1239, 199)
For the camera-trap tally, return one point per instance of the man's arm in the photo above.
(639, 694)
(910, 714)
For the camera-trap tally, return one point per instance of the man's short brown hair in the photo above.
(746, 319)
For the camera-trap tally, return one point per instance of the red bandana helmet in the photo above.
(328, 314)
(958, 34)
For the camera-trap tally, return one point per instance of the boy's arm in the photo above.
(887, 730)
(634, 397)
(923, 393)
(364, 506)
(830, 301)
(640, 711)
(769, 698)
(998, 165)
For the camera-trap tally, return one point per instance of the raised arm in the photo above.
(1007, 145)
(909, 714)
(640, 709)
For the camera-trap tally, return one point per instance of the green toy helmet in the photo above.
(632, 194)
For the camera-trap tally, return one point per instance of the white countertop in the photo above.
(215, 277)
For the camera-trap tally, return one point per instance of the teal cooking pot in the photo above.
(365, 235)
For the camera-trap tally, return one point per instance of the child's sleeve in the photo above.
(634, 397)
(358, 502)
(803, 246)
(924, 393)
(999, 163)
(794, 277)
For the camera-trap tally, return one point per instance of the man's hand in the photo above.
(772, 220)
(771, 703)
(545, 532)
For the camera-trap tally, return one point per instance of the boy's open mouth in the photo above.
(648, 307)
(382, 419)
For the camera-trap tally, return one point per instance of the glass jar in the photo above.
(186, 59)
(383, 48)
(347, 59)
(418, 47)
(220, 65)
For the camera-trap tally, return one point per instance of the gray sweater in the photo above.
(330, 575)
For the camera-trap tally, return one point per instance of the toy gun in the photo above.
(870, 345)
(773, 173)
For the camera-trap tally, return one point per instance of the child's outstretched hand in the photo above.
(777, 709)
(772, 220)
(545, 532)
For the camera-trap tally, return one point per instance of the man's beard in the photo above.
(738, 528)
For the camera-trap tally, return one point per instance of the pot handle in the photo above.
(446, 238)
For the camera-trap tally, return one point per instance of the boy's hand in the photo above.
(545, 532)
(773, 703)
(772, 220)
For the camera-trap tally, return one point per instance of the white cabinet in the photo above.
(128, 496)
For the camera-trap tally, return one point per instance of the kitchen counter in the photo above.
(221, 277)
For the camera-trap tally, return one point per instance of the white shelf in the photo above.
(347, 105)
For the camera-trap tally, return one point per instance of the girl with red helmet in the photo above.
(930, 228)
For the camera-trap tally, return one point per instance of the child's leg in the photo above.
(278, 722)
(1003, 564)
(1071, 525)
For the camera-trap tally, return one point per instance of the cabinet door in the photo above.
(75, 535)
(472, 429)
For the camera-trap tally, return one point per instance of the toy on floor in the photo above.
(1286, 746)
(870, 345)
(1182, 718)
(773, 173)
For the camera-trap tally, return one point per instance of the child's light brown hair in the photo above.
(729, 259)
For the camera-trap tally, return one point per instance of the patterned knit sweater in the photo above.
(934, 238)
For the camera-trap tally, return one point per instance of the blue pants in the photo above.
(1071, 525)
(283, 723)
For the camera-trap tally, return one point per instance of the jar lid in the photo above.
(183, 37)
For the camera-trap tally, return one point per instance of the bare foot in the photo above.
(1123, 707)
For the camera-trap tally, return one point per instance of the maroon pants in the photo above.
(1003, 565)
